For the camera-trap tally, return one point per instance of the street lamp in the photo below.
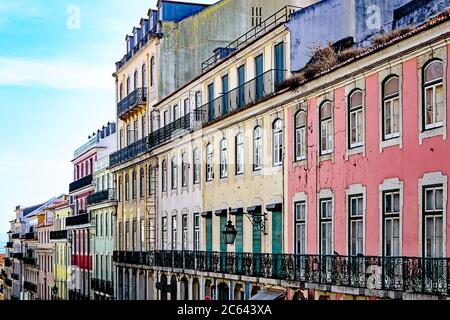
(229, 233)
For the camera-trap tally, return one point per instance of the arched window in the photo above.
(134, 186)
(300, 136)
(135, 80)
(127, 187)
(391, 108)
(277, 129)
(174, 173)
(356, 119)
(128, 86)
(326, 128)
(223, 159)
(164, 176)
(257, 149)
(433, 95)
(184, 170)
(209, 162)
(239, 153)
(142, 183)
(196, 166)
(152, 71)
(144, 75)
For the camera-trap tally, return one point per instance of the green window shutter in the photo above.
(240, 233)
(223, 223)
(209, 234)
(256, 239)
(277, 238)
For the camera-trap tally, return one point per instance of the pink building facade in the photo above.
(368, 156)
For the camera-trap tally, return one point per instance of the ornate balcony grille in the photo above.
(58, 235)
(31, 236)
(30, 261)
(77, 220)
(101, 196)
(16, 236)
(407, 274)
(129, 152)
(18, 255)
(135, 98)
(172, 130)
(83, 182)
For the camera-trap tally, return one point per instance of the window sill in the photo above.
(326, 157)
(430, 133)
(299, 163)
(355, 150)
(397, 141)
(257, 173)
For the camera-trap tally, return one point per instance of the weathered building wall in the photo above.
(187, 44)
(417, 11)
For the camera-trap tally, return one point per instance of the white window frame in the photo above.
(223, 158)
(239, 153)
(277, 142)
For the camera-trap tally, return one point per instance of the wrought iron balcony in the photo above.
(58, 235)
(9, 245)
(15, 236)
(129, 152)
(30, 286)
(101, 196)
(127, 105)
(80, 219)
(7, 262)
(406, 274)
(77, 295)
(104, 286)
(18, 255)
(30, 261)
(31, 236)
(4, 274)
(8, 282)
(83, 182)
(244, 96)
(278, 18)
(14, 276)
(172, 130)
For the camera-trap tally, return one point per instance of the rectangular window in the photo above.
(136, 131)
(223, 159)
(240, 154)
(176, 112)
(434, 102)
(127, 235)
(225, 95)
(119, 236)
(241, 86)
(184, 223)
(186, 106)
(391, 223)
(356, 225)
(164, 233)
(197, 232)
(174, 233)
(433, 228)
(356, 128)
(144, 126)
(259, 77)
(279, 63)
(326, 227)
(300, 227)
(129, 134)
(134, 235)
(142, 235)
(211, 115)
(121, 139)
(165, 118)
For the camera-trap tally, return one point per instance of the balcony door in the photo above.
(211, 102)
(279, 63)
(259, 78)
(241, 86)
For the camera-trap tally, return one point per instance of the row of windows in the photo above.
(104, 225)
(432, 214)
(132, 132)
(124, 235)
(129, 87)
(432, 112)
(103, 267)
(83, 169)
(277, 153)
(184, 233)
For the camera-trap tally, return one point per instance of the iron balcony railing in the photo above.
(30, 261)
(135, 98)
(15, 236)
(9, 245)
(31, 236)
(275, 20)
(14, 276)
(8, 282)
(18, 255)
(58, 235)
(8, 262)
(170, 131)
(245, 95)
(129, 152)
(407, 274)
(78, 220)
(101, 196)
(83, 182)
(77, 295)
(104, 286)
(30, 286)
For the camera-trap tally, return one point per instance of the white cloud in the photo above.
(59, 74)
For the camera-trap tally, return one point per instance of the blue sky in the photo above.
(56, 88)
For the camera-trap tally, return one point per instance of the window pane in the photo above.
(439, 103)
(325, 111)
(360, 206)
(434, 71)
(396, 116)
(300, 119)
(439, 201)
(387, 116)
(429, 105)
(360, 126)
(388, 203)
(429, 205)
(396, 202)
(391, 87)
(353, 206)
(356, 100)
